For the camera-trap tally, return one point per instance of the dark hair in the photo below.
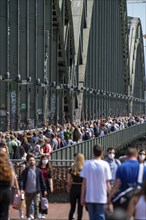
(110, 148)
(131, 152)
(141, 150)
(41, 140)
(29, 156)
(97, 150)
(21, 151)
(75, 154)
(52, 135)
(48, 165)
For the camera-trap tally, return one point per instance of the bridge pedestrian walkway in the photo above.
(56, 211)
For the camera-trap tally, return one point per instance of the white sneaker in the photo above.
(31, 217)
(21, 214)
(43, 216)
(74, 216)
(39, 216)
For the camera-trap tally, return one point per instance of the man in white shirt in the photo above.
(96, 184)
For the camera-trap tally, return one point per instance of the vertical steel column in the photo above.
(36, 57)
(18, 68)
(56, 92)
(45, 47)
(27, 57)
(54, 73)
(8, 68)
(94, 105)
(50, 48)
(86, 105)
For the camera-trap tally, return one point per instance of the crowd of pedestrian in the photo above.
(93, 183)
(45, 140)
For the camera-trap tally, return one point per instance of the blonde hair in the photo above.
(6, 171)
(78, 164)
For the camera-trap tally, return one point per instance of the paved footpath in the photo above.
(56, 211)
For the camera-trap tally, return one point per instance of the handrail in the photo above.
(115, 139)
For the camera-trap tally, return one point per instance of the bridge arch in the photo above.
(136, 61)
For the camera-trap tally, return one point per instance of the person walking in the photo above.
(74, 183)
(46, 170)
(15, 188)
(113, 163)
(137, 205)
(142, 157)
(96, 184)
(127, 175)
(6, 182)
(11, 142)
(32, 183)
(46, 149)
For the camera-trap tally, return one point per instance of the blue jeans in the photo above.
(96, 211)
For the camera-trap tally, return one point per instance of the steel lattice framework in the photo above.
(67, 60)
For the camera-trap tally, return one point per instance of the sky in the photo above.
(137, 8)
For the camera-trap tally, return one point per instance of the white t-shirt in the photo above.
(96, 172)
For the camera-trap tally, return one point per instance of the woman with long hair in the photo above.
(46, 170)
(74, 183)
(6, 182)
(137, 205)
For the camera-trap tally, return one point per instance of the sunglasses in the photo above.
(142, 154)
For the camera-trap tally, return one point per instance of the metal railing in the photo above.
(60, 169)
(62, 159)
(115, 139)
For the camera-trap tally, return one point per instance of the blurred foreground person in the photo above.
(6, 182)
(137, 205)
(4, 148)
(128, 176)
(74, 183)
(119, 214)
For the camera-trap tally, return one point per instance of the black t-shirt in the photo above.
(4, 183)
(75, 178)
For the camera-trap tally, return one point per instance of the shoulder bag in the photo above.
(123, 198)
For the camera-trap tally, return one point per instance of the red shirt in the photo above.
(45, 173)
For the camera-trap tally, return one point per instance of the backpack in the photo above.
(122, 198)
(97, 131)
(86, 136)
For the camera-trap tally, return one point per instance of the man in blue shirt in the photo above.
(127, 173)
